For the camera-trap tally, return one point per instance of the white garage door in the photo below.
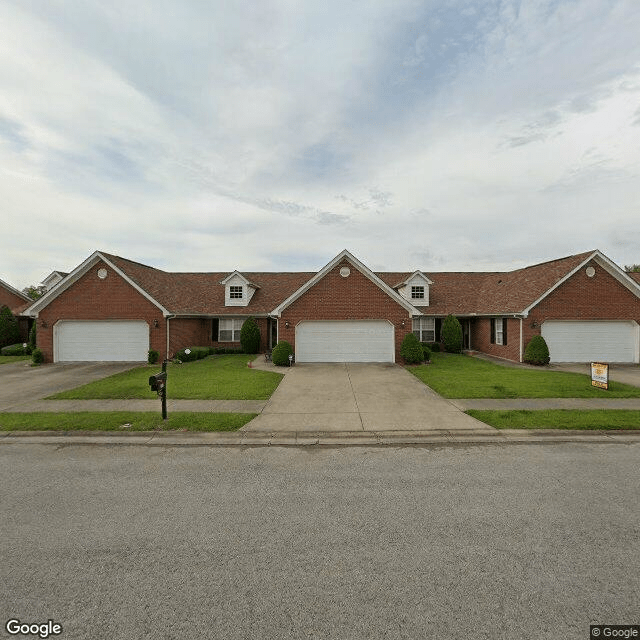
(345, 341)
(93, 340)
(597, 341)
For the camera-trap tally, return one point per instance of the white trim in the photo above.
(610, 267)
(76, 274)
(363, 269)
(521, 340)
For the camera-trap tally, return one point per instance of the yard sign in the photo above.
(600, 375)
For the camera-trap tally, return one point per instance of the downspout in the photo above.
(168, 318)
(520, 339)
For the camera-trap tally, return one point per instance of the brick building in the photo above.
(111, 308)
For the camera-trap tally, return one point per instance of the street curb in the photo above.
(319, 438)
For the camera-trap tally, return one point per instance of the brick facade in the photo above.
(481, 338)
(351, 298)
(196, 332)
(91, 298)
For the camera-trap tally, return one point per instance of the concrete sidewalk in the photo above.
(434, 437)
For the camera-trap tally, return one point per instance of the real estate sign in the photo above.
(600, 375)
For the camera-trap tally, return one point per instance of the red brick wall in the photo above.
(481, 338)
(196, 332)
(9, 299)
(91, 298)
(338, 298)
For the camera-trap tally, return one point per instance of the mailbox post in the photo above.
(158, 383)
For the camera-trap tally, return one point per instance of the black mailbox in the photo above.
(158, 381)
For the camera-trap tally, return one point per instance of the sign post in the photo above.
(600, 375)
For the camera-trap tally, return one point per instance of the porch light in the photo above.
(286, 324)
(534, 324)
(43, 324)
(155, 324)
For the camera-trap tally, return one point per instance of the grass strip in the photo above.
(215, 378)
(9, 359)
(459, 376)
(559, 419)
(123, 421)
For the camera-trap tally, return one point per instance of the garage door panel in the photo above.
(345, 341)
(78, 341)
(582, 341)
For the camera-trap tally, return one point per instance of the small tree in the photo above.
(411, 349)
(537, 351)
(632, 268)
(9, 330)
(452, 334)
(250, 336)
(35, 292)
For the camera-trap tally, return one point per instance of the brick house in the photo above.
(17, 303)
(111, 308)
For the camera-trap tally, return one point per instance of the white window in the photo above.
(417, 292)
(235, 292)
(425, 329)
(499, 331)
(229, 329)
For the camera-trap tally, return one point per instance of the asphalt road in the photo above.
(513, 542)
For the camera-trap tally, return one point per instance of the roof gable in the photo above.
(82, 269)
(14, 291)
(363, 269)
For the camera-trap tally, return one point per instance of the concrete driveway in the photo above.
(625, 373)
(357, 397)
(21, 383)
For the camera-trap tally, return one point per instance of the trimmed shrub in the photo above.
(37, 356)
(15, 350)
(9, 331)
(195, 353)
(537, 351)
(434, 346)
(280, 353)
(250, 336)
(154, 356)
(411, 349)
(426, 350)
(228, 350)
(452, 334)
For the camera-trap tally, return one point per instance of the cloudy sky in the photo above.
(202, 135)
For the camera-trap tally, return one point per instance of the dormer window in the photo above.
(238, 290)
(415, 289)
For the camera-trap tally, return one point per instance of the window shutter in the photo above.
(504, 331)
(493, 331)
(214, 330)
(438, 329)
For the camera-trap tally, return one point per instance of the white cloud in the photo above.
(192, 135)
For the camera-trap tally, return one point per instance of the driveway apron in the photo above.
(357, 397)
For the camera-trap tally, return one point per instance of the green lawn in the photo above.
(215, 378)
(458, 376)
(8, 359)
(114, 421)
(560, 419)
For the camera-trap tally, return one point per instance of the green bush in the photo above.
(37, 356)
(411, 349)
(280, 353)
(250, 336)
(15, 350)
(9, 331)
(426, 349)
(228, 350)
(537, 351)
(434, 346)
(154, 356)
(195, 353)
(452, 334)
